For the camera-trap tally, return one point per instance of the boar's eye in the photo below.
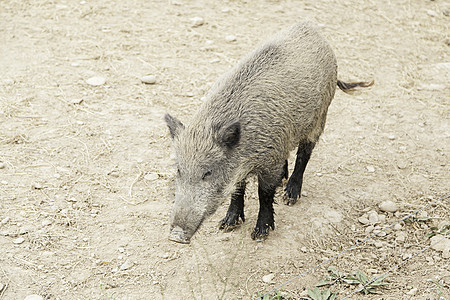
(208, 173)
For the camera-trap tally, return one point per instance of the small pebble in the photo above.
(446, 253)
(149, 79)
(397, 226)
(2, 165)
(422, 215)
(442, 245)
(6, 220)
(197, 21)
(411, 292)
(363, 220)
(388, 206)
(128, 264)
(230, 38)
(151, 176)
(391, 137)
(402, 164)
(268, 278)
(189, 94)
(34, 297)
(96, 81)
(401, 237)
(432, 13)
(379, 233)
(4, 182)
(378, 244)
(121, 250)
(114, 174)
(369, 229)
(381, 218)
(80, 122)
(370, 169)
(46, 222)
(373, 217)
(8, 81)
(19, 240)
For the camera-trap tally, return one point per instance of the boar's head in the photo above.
(205, 169)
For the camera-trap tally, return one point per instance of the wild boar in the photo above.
(272, 101)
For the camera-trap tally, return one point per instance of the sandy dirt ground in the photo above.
(87, 171)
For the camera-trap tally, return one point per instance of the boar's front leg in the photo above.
(267, 184)
(294, 186)
(235, 210)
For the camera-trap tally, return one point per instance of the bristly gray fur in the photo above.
(279, 95)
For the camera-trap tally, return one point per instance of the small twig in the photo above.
(246, 283)
(130, 191)
(2, 292)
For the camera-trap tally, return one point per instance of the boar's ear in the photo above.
(230, 134)
(174, 125)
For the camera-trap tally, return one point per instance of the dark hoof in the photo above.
(177, 235)
(230, 222)
(289, 201)
(260, 233)
(292, 194)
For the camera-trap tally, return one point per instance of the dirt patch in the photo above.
(86, 175)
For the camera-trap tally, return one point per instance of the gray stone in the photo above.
(388, 206)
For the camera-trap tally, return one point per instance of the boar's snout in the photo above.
(178, 235)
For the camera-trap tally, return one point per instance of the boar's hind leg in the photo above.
(285, 170)
(294, 186)
(267, 183)
(235, 210)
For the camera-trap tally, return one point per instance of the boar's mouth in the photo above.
(178, 235)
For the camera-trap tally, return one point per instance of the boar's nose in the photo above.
(177, 235)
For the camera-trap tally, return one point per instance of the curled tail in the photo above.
(350, 86)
